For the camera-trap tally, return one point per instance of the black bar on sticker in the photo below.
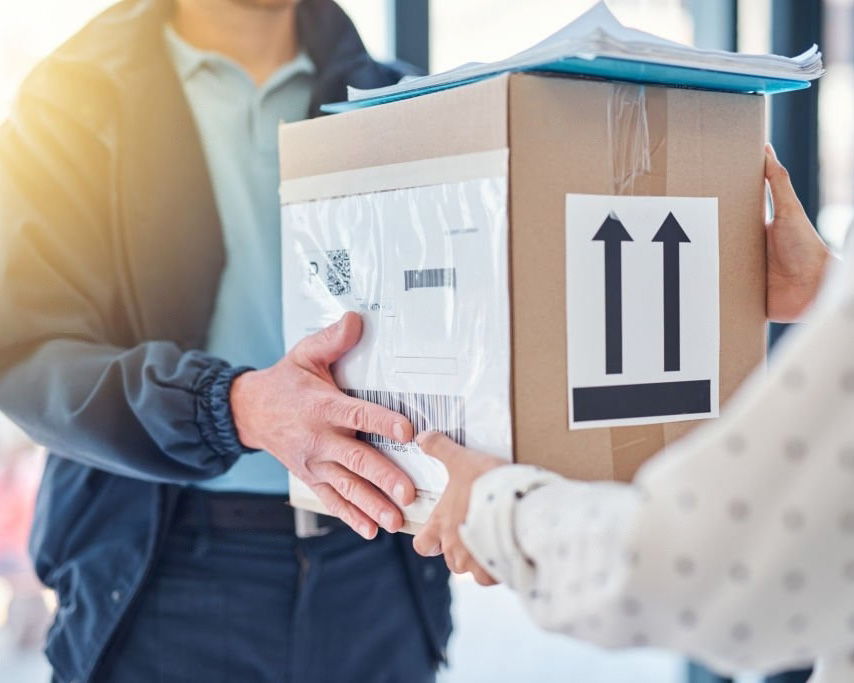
(641, 400)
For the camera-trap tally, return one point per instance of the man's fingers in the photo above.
(364, 496)
(371, 418)
(439, 446)
(359, 458)
(347, 512)
(783, 196)
(327, 346)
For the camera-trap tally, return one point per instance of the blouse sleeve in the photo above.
(736, 546)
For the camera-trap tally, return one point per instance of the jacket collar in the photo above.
(124, 40)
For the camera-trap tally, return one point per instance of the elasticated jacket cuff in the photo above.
(213, 410)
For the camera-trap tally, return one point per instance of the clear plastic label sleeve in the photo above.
(426, 266)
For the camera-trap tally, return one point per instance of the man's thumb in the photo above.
(328, 345)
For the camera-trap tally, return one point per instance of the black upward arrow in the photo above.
(671, 235)
(613, 234)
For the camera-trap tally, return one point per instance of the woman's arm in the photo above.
(736, 547)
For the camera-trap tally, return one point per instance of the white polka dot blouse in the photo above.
(736, 546)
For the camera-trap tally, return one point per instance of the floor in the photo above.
(495, 641)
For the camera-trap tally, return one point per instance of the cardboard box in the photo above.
(574, 144)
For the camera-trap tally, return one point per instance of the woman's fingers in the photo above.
(434, 539)
(481, 576)
(785, 200)
(440, 447)
(428, 542)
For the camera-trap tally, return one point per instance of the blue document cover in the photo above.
(612, 69)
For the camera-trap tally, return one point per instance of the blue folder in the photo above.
(612, 69)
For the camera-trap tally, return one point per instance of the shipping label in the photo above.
(426, 267)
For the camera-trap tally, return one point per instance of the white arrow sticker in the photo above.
(642, 309)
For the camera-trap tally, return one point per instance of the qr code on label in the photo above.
(338, 272)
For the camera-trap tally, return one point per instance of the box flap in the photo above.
(450, 123)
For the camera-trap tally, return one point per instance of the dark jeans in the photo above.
(251, 607)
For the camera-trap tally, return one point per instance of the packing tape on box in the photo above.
(637, 139)
(637, 142)
(628, 136)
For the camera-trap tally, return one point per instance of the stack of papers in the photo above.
(598, 45)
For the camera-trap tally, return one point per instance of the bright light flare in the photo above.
(31, 30)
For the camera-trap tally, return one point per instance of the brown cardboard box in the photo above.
(587, 137)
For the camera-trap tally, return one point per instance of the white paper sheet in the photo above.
(598, 33)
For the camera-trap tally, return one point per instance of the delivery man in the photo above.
(141, 342)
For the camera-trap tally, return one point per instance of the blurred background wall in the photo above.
(814, 134)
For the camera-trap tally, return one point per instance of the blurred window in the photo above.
(487, 30)
(836, 114)
(373, 18)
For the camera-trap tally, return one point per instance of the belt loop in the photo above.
(307, 524)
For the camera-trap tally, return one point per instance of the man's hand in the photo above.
(295, 411)
(796, 256)
(441, 532)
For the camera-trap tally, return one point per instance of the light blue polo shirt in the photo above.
(238, 122)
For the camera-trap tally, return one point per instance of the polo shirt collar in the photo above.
(188, 59)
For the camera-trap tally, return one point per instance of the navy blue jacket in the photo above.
(110, 257)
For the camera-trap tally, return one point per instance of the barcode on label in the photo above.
(338, 272)
(426, 412)
(431, 277)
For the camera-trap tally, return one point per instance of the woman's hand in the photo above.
(796, 256)
(441, 532)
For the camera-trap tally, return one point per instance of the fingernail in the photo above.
(366, 532)
(420, 438)
(398, 492)
(399, 432)
(435, 550)
(386, 520)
